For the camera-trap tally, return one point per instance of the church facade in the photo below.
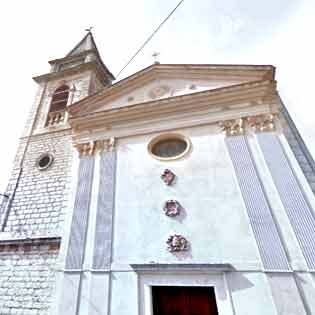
(182, 189)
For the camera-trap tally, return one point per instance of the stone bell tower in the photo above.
(32, 216)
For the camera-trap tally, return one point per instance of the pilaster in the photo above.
(88, 254)
(258, 208)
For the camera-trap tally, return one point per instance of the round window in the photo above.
(44, 161)
(169, 147)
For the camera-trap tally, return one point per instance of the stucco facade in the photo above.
(89, 233)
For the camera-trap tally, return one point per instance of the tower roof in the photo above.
(84, 54)
(87, 43)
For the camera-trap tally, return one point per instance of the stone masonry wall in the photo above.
(41, 197)
(27, 278)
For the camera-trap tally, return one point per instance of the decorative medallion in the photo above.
(177, 243)
(172, 208)
(168, 177)
(130, 99)
(159, 91)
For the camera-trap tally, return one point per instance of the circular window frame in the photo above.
(169, 136)
(42, 156)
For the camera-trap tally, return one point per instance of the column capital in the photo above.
(233, 127)
(86, 149)
(106, 145)
(261, 123)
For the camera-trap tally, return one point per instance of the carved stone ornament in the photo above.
(172, 208)
(262, 122)
(106, 145)
(159, 91)
(168, 177)
(85, 149)
(233, 127)
(177, 243)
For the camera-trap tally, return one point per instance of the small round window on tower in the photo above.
(44, 161)
(169, 147)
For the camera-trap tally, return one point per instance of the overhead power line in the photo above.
(149, 38)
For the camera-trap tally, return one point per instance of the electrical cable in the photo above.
(149, 38)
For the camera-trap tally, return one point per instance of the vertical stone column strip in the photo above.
(295, 203)
(105, 206)
(269, 244)
(75, 253)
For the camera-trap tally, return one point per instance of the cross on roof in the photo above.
(155, 55)
(89, 29)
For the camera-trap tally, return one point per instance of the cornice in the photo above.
(92, 66)
(71, 58)
(178, 112)
(171, 71)
(172, 122)
(247, 92)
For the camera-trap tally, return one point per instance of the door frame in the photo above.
(215, 280)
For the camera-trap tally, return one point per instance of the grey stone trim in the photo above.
(79, 223)
(68, 302)
(270, 247)
(181, 267)
(299, 148)
(105, 207)
(295, 203)
(286, 295)
(35, 240)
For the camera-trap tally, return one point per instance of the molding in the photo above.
(209, 105)
(185, 71)
(30, 240)
(168, 123)
(235, 94)
(199, 268)
(89, 66)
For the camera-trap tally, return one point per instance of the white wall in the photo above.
(214, 221)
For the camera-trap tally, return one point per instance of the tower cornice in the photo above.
(93, 66)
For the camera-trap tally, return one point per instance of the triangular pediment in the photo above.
(167, 81)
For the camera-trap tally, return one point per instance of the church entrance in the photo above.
(184, 301)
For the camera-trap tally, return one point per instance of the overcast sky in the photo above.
(279, 32)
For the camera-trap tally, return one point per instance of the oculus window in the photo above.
(44, 161)
(169, 147)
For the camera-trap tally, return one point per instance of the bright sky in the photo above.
(277, 32)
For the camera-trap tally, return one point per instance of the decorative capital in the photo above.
(233, 127)
(86, 149)
(177, 243)
(262, 123)
(106, 145)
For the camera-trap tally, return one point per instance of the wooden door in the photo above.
(184, 301)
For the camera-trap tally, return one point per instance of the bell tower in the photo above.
(77, 75)
(46, 140)
(37, 196)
